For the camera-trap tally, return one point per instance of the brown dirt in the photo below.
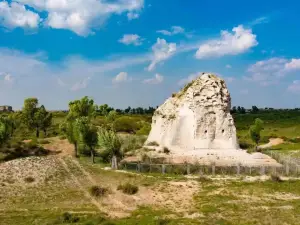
(60, 147)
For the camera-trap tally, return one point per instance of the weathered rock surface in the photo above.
(198, 117)
(195, 126)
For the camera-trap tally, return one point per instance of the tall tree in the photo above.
(88, 135)
(72, 133)
(83, 108)
(35, 117)
(111, 142)
(255, 130)
(4, 130)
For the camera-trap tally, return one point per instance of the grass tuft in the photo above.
(128, 188)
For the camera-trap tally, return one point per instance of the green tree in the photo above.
(88, 135)
(255, 130)
(4, 130)
(35, 117)
(70, 130)
(81, 108)
(110, 141)
(111, 116)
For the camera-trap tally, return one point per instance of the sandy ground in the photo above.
(272, 142)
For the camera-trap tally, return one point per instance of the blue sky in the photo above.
(137, 52)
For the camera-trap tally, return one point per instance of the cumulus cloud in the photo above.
(230, 43)
(162, 50)
(7, 78)
(16, 15)
(173, 31)
(157, 79)
(121, 77)
(129, 39)
(81, 16)
(294, 64)
(269, 71)
(294, 87)
(228, 66)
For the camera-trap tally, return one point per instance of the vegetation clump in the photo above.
(69, 218)
(128, 188)
(276, 178)
(166, 150)
(98, 191)
(29, 179)
(152, 143)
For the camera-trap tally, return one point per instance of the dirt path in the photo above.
(272, 142)
(86, 193)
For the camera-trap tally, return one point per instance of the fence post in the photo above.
(262, 170)
(274, 170)
(238, 169)
(163, 168)
(139, 167)
(250, 170)
(188, 169)
(213, 168)
(287, 169)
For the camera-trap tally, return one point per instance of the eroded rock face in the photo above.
(198, 117)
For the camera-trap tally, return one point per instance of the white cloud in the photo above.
(81, 84)
(173, 31)
(156, 80)
(295, 86)
(60, 82)
(237, 42)
(260, 20)
(161, 52)
(228, 66)
(121, 77)
(229, 79)
(133, 39)
(16, 15)
(294, 64)
(132, 15)
(270, 71)
(189, 79)
(7, 78)
(81, 16)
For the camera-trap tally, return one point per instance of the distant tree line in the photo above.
(104, 110)
(254, 109)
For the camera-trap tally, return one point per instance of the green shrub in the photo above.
(69, 218)
(31, 144)
(98, 191)
(126, 124)
(132, 142)
(145, 130)
(62, 137)
(44, 142)
(128, 188)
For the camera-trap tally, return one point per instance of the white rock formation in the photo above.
(196, 118)
(196, 126)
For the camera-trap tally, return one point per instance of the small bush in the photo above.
(44, 142)
(276, 178)
(128, 188)
(203, 179)
(126, 124)
(29, 179)
(31, 145)
(98, 191)
(145, 130)
(166, 150)
(69, 218)
(152, 143)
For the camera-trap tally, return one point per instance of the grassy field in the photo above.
(160, 199)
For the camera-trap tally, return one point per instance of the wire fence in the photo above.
(186, 169)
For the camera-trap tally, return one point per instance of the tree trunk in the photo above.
(37, 132)
(76, 150)
(45, 132)
(92, 156)
(114, 163)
